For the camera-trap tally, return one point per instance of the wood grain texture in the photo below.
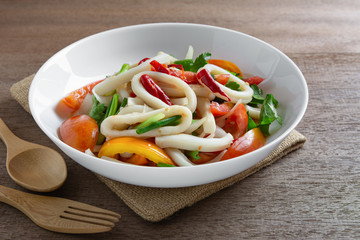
(313, 193)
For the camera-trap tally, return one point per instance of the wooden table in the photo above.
(313, 193)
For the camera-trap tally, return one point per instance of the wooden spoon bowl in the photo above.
(34, 167)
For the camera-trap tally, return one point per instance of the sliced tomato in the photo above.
(80, 132)
(237, 122)
(227, 65)
(222, 78)
(187, 76)
(190, 78)
(73, 100)
(253, 80)
(136, 159)
(177, 73)
(249, 142)
(205, 157)
(220, 109)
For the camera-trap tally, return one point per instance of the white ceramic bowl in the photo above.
(101, 54)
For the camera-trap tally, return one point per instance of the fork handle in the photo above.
(14, 198)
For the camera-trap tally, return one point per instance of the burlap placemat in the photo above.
(156, 204)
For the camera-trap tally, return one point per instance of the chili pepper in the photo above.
(154, 89)
(205, 77)
(143, 60)
(159, 67)
(178, 66)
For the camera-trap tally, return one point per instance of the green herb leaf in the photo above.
(233, 85)
(193, 66)
(269, 114)
(201, 61)
(193, 155)
(97, 111)
(186, 63)
(251, 123)
(160, 164)
(257, 97)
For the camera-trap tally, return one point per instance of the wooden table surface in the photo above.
(313, 193)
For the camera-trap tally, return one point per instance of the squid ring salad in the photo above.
(168, 112)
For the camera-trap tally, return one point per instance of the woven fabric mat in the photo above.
(156, 204)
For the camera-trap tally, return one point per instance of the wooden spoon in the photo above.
(32, 166)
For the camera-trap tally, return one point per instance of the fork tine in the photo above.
(91, 214)
(89, 208)
(84, 219)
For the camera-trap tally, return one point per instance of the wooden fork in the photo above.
(60, 214)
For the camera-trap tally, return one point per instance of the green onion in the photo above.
(251, 123)
(111, 110)
(160, 164)
(151, 120)
(113, 107)
(124, 68)
(158, 124)
(193, 154)
(123, 104)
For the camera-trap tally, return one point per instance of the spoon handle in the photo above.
(6, 135)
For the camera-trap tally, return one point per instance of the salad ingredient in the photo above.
(193, 66)
(207, 80)
(151, 120)
(269, 114)
(157, 124)
(237, 122)
(159, 67)
(97, 111)
(253, 80)
(222, 78)
(80, 132)
(227, 65)
(138, 146)
(73, 100)
(250, 141)
(154, 89)
(220, 109)
(136, 159)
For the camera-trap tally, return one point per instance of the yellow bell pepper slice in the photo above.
(227, 65)
(135, 145)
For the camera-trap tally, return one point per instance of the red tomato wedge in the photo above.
(187, 76)
(136, 159)
(249, 142)
(222, 78)
(73, 100)
(253, 80)
(80, 132)
(230, 66)
(220, 109)
(205, 157)
(237, 122)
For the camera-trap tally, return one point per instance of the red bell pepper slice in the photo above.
(205, 77)
(154, 89)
